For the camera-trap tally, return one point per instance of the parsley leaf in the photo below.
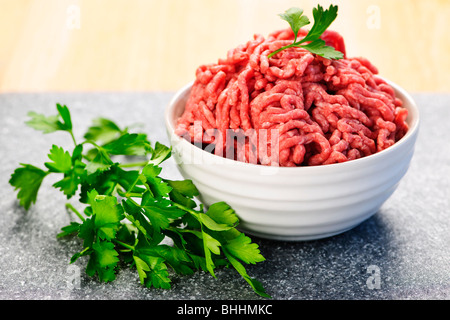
(255, 284)
(161, 216)
(160, 154)
(103, 130)
(177, 258)
(42, 123)
(65, 115)
(101, 162)
(156, 186)
(62, 161)
(142, 268)
(222, 213)
(211, 245)
(72, 228)
(154, 269)
(183, 192)
(242, 248)
(108, 215)
(322, 20)
(28, 180)
(129, 144)
(103, 261)
(294, 16)
(72, 179)
(318, 47)
(48, 124)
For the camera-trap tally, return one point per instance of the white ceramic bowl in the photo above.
(302, 203)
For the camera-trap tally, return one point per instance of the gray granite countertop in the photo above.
(407, 242)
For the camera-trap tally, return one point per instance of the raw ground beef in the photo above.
(294, 109)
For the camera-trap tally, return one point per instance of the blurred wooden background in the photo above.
(144, 45)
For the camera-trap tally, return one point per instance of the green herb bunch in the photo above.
(131, 215)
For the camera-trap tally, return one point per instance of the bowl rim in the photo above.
(413, 129)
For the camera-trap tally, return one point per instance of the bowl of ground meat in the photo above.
(300, 146)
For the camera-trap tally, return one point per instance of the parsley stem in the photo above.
(134, 202)
(73, 137)
(279, 50)
(191, 211)
(91, 142)
(71, 208)
(294, 44)
(131, 187)
(133, 164)
(123, 193)
(124, 244)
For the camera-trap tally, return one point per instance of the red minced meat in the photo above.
(311, 110)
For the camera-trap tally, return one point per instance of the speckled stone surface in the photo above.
(408, 240)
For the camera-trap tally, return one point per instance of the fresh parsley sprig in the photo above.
(131, 213)
(322, 20)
